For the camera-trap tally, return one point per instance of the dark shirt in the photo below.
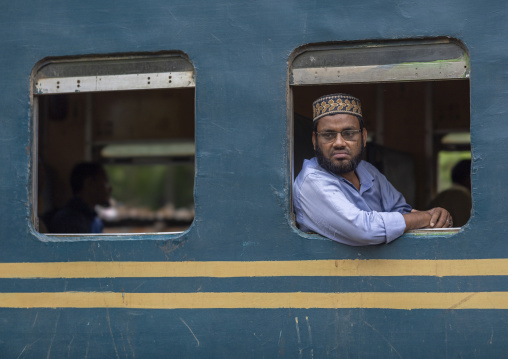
(75, 217)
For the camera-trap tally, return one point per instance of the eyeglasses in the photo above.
(347, 135)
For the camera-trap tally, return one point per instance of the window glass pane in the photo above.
(381, 62)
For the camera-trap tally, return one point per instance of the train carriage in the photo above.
(208, 104)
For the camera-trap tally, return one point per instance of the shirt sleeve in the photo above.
(323, 208)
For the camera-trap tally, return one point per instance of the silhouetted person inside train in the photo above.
(90, 187)
(457, 198)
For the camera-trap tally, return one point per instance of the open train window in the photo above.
(131, 115)
(414, 95)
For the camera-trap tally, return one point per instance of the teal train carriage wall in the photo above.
(243, 280)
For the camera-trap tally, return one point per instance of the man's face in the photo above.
(101, 189)
(339, 156)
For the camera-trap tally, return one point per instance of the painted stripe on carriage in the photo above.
(236, 269)
(235, 300)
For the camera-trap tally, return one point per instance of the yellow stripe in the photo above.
(401, 300)
(228, 269)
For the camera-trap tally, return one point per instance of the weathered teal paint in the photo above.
(240, 51)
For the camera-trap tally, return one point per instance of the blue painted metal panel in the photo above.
(240, 51)
(267, 333)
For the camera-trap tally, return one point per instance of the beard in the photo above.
(342, 167)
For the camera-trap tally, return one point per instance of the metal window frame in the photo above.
(65, 75)
(410, 66)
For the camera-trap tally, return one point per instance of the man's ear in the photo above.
(364, 134)
(314, 139)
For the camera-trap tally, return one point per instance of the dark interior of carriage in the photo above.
(145, 141)
(150, 162)
(409, 126)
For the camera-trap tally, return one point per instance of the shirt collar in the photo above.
(366, 179)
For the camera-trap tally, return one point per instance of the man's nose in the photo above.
(339, 141)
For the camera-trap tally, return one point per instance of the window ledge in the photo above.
(434, 231)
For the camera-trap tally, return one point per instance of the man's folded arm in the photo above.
(416, 220)
(326, 210)
(433, 218)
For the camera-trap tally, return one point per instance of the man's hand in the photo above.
(440, 218)
(433, 218)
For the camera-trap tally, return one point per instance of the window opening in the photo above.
(132, 115)
(414, 94)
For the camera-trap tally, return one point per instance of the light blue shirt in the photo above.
(332, 206)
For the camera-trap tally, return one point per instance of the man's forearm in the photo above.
(416, 220)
